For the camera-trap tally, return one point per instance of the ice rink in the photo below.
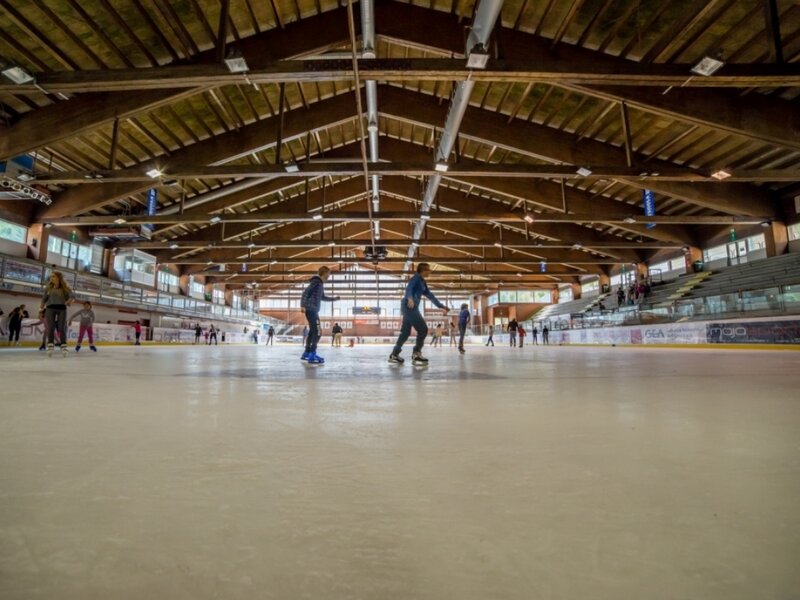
(541, 473)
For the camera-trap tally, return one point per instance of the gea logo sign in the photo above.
(654, 333)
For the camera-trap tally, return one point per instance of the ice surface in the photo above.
(553, 473)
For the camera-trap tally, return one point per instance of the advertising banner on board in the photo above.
(753, 332)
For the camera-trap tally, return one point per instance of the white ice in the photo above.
(541, 473)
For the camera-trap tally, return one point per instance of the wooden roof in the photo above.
(564, 70)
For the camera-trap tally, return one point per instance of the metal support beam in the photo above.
(222, 30)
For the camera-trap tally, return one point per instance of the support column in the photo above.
(605, 283)
(692, 255)
(576, 291)
(776, 239)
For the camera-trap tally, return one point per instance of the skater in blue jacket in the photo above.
(310, 303)
(412, 317)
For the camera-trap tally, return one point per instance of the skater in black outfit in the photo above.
(512, 332)
(15, 325)
(491, 336)
(545, 335)
(270, 336)
(463, 322)
(198, 331)
(412, 317)
(310, 304)
(535, 336)
(212, 335)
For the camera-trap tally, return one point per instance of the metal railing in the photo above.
(29, 276)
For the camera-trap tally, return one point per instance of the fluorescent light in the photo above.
(765, 224)
(519, 274)
(273, 261)
(707, 66)
(442, 166)
(317, 216)
(17, 75)
(173, 246)
(477, 58)
(215, 219)
(154, 173)
(372, 126)
(584, 172)
(425, 216)
(721, 174)
(498, 244)
(414, 245)
(331, 244)
(251, 245)
(236, 62)
(629, 220)
(529, 219)
(211, 262)
(577, 246)
(23, 176)
(291, 167)
(120, 221)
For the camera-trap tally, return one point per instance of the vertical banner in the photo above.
(152, 205)
(543, 267)
(649, 200)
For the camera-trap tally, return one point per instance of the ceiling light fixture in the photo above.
(331, 244)
(584, 171)
(708, 66)
(154, 173)
(425, 216)
(478, 57)
(120, 221)
(528, 218)
(251, 245)
(629, 220)
(236, 62)
(577, 246)
(215, 219)
(273, 262)
(442, 166)
(291, 167)
(173, 246)
(317, 216)
(498, 244)
(721, 174)
(17, 75)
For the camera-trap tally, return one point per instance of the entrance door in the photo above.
(737, 253)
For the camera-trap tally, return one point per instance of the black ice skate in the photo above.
(395, 359)
(419, 360)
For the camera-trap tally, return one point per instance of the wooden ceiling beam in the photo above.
(757, 117)
(53, 123)
(551, 145)
(222, 148)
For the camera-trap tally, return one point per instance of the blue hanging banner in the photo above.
(649, 200)
(152, 201)
(543, 267)
(152, 206)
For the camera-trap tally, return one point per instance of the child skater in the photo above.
(463, 321)
(86, 316)
(412, 317)
(310, 304)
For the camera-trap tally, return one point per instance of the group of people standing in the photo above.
(517, 331)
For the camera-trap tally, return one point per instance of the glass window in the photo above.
(590, 288)
(543, 296)
(565, 294)
(715, 253)
(756, 242)
(510, 297)
(54, 244)
(13, 232)
(794, 231)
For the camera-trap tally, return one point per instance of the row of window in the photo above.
(521, 297)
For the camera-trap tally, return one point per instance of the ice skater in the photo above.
(198, 331)
(15, 325)
(137, 332)
(535, 336)
(545, 336)
(270, 336)
(521, 332)
(310, 304)
(57, 296)
(212, 334)
(86, 316)
(512, 332)
(412, 317)
(463, 322)
(491, 336)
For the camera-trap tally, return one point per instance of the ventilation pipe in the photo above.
(368, 51)
(477, 43)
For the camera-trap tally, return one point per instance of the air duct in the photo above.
(478, 40)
